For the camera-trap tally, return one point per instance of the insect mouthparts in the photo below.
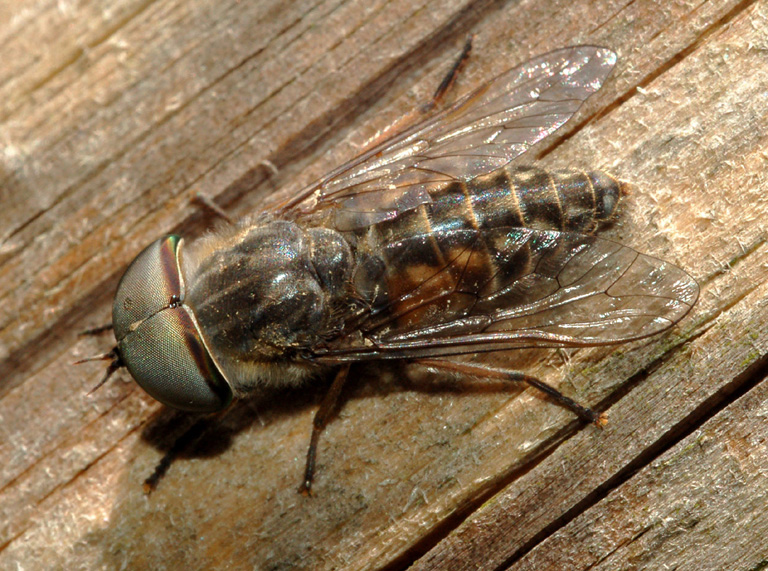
(116, 363)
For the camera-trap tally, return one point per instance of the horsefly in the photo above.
(432, 245)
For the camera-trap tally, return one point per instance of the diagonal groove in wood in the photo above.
(98, 169)
(106, 33)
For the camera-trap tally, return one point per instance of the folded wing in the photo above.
(506, 288)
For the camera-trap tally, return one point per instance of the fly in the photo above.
(434, 244)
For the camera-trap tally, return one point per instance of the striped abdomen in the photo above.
(444, 259)
(527, 197)
(566, 200)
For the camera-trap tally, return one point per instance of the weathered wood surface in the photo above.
(112, 117)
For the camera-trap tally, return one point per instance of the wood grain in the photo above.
(112, 117)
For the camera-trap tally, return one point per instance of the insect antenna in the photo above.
(116, 362)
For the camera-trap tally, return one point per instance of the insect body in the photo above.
(432, 245)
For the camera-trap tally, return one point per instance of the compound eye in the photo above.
(167, 357)
(149, 284)
(158, 338)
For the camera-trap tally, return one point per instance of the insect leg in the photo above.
(206, 203)
(186, 441)
(96, 330)
(322, 416)
(450, 78)
(425, 109)
(486, 372)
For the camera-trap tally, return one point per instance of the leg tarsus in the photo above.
(483, 371)
(453, 73)
(584, 413)
(417, 114)
(322, 416)
(185, 441)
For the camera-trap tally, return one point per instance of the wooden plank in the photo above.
(101, 153)
(701, 504)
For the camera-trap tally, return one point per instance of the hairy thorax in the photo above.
(264, 292)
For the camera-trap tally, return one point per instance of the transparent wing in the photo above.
(479, 134)
(507, 288)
